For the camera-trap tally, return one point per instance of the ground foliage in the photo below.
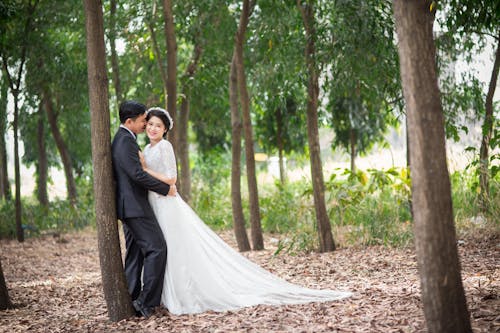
(56, 287)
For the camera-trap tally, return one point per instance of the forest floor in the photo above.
(55, 284)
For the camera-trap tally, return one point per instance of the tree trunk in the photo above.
(408, 162)
(171, 70)
(279, 134)
(42, 166)
(5, 302)
(185, 172)
(17, 171)
(15, 90)
(487, 131)
(114, 56)
(117, 298)
(183, 127)
(323, 222)
(352, 139)
(256, 228)
(61, 147)
(443, 297)
(4, 176)
(238, 218)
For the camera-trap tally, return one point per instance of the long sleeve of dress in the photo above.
(168, 158)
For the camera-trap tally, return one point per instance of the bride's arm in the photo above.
(157, 175)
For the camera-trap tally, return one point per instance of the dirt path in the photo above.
(56, 287)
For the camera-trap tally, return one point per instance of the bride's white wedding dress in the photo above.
(203, 272)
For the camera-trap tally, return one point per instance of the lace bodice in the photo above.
(161, 158)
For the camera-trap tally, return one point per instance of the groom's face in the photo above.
(137, 125)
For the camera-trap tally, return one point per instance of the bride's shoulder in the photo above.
(165, 143)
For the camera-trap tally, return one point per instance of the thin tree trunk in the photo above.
(256, 228)
(408, 162)
(117, 298)
(236, 126)
(443, 297)
(171, 70)
(61, 147)
(323, 222)
(15, 90)
(42, 166)
(185, 172)
(487, 132)
(4, 176)
(352, 140)
(114, 56)
(5, 302)
(17, 171)
(279, 134)
(184, 182)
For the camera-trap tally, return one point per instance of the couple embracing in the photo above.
(172, 258)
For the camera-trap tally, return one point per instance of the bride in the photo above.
(203, 272)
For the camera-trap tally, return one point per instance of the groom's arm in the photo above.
(127, 156)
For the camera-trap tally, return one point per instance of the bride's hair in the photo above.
(163, 115)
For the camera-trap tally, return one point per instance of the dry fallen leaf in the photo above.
(57, 288)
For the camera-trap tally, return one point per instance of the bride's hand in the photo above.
(172, 191)
(143, 161)
(172, 181)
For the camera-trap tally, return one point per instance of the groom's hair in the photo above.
(131, 109)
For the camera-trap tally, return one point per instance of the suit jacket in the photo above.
(132, 182)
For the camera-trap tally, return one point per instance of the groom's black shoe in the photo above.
(141, 310)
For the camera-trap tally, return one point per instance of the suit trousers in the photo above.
(146, 255)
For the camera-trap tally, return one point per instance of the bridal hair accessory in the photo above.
(164, 112)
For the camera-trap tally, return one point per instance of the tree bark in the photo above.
(17, 171)
(42, 166)
(487, 132)
(61, 147)
(443, 297)
(4, 176)
(184, 181)
(323, 222)
(5, 302)
(171, 70)
(408, 162)
(255, 224)
(236, 126)
(117, 298)
(114, 56)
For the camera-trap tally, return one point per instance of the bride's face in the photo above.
(155, 129)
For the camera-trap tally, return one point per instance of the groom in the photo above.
(146, 247)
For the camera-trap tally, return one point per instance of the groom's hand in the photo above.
(173, 190)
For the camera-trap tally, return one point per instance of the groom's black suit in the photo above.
(145, 244)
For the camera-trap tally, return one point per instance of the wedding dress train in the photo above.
(203, 272)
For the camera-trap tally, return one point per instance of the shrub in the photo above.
(59, 217)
